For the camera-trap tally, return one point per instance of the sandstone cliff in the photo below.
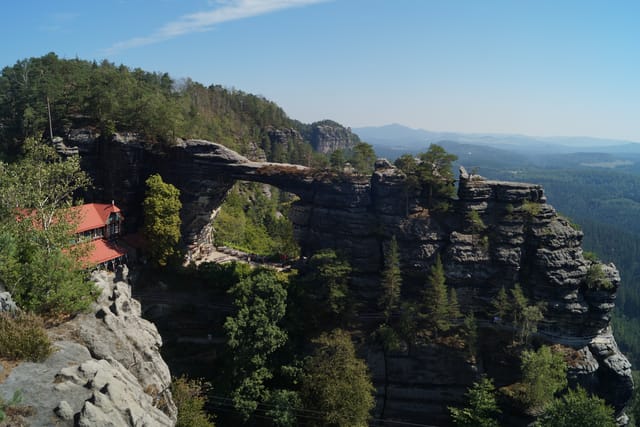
(106, 369)
(523, 240)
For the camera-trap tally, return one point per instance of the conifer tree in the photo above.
(482, 408)
(501, 305)
(391, 281)
(435, 302)
(453, 305)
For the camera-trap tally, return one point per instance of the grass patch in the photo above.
(23, 337)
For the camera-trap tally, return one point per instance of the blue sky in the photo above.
(536, 67)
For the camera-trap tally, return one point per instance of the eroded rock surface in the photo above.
(519, 238)
(106, 369)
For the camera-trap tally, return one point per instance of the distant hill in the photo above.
(394, 140)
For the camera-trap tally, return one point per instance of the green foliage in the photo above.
(23, 337)
(482, 408)
(282, 407)
(501, 304)
(255, 222)
(633, 407)
(337, 160)
(253, 335)
(45, 282)
(362, 158)
(408, 323)
(475, 223)
(544, 373)
(470, 331)
(407, 163)
(577, 408)
(162, 220)
(329, 273)
(590, 256)
(431, 174)
(388, 338)
(391, 280)
(453, 307)
(525, 317)
(336, 383)
(189, 397)
(5, 406)
(528, 326)
(596, 278)
(435, 303)
(39, 263)
(531, 209)
(223, 276)
(435, 174)
(120, 99)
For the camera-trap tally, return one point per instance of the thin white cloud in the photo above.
(227, 10)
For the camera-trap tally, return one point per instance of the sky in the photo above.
(533, 67)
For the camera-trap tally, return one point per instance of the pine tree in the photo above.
(482, 408)
(454, 306)
(435, 302)
(501, 305)
(391, 281)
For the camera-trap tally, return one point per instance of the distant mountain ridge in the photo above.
(400, 138)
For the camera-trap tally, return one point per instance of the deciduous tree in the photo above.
(162, 220)
(39, 263)
(544, 373)
(336, 383)
(577, 408)
(253, 335)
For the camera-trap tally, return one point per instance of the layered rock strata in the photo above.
(514, 236)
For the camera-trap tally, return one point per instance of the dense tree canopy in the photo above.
(111, 98)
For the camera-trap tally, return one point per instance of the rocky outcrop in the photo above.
(328, 136)
(105, 370)
(514, 236)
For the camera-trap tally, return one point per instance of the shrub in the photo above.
(23, 337)
(596, 278)
(590, 256)
(189, 397)
(532, 209)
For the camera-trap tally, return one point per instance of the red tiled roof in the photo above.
(103, 251)
(94, 215)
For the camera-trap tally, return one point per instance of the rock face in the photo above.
(106, 369)
(513, 237)
(328, 136)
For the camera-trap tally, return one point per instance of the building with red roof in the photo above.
(102, 224)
